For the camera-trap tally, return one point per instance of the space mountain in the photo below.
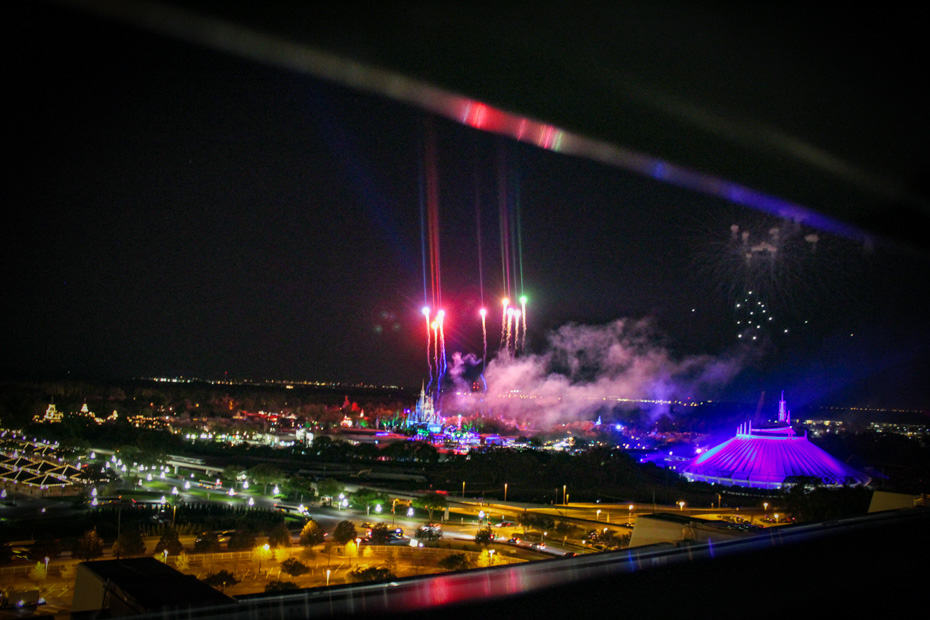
(770, 457)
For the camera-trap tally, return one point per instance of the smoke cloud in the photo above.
(586, 368)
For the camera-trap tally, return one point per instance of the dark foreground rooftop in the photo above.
(860, 567)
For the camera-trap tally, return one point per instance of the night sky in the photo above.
(176, 211)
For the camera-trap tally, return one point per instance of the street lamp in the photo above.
(681, 504)
(490, 556)
(563, 494)
(463, 489)
(505, 491)
(598, 516)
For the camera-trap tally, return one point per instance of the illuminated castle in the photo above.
(424, 412)
(769, 458)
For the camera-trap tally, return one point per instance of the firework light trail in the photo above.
(432, 273)
(505, 303)
(516, 329)
(513, 317)
(440, 318)
(484, 339)
(429, 364)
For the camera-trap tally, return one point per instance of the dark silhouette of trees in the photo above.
(129, 543)
(312, 534)
(372, 573)
(294, 567)
(380, 534)
(265, 474)
(431, 502)
(241, 539)
(344, 532)
(455, 561)
(169, 540)
(280, 586)
(88, 546)
(279, 535)
(484, 537)
(222, 579)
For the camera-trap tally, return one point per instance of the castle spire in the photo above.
(783, 414)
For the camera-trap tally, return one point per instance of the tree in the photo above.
(231, 473)
(380, 534)
(88, 546)
(312, 534)
(366, 499)
(484, 537)
(241, 539)
(38, 572)
(372, 573)
(300, 487)
(330, 488)
(221, 579)
(265, 474)
(344, 532)
(431, 501)
(280, 586)
(279, 535)
(455, 561)
(129, 543)
(294, 567)
(169, 540)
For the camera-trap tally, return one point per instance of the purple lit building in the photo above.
(769, 458)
